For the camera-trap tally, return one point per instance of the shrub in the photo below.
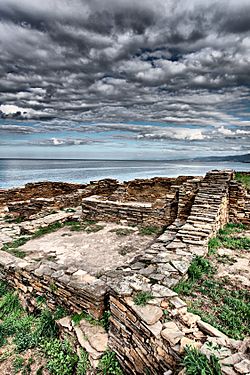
(24, 340)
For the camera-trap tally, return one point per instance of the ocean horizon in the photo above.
(18, 172)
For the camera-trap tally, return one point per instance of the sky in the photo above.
(124, 79)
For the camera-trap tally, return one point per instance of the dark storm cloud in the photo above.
(118, 60)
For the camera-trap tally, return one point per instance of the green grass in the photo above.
(12, 247)
(197, 363)
(141, 298)
(62, 359)
(224, 308)
(109, 365)
(226, 238)
(83, 364)
(218, 304)
(149, 231)
(94, 228)
(198, 267)
(216, 301)
(234, 243)
(243, 179)
(104, 321)
(18, 363)
(231, 228)
(87, 226)
(25, 331)
(122, 231)
(11, 219)
(48, 229)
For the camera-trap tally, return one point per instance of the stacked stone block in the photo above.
(239, 200)
(95, 208)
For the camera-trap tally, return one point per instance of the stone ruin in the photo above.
(190, 210)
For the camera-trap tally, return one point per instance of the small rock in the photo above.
(171, 333)
(243, 367)
(227, 370)
(162, 291)
(210, 329)
(149, 314)
(190, 319)
(232, 359)
(177, 302)
(65, 322)
(181, 266)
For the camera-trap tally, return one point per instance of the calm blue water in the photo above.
(19, 172)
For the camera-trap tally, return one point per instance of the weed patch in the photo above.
(49, 229)
(122, 231)
(198, 267)
(142, 298)
(94, 228)
(62, 359)
(243, 179)
(197, 363)
(83, 364)
(226, 238)
(109, 365)
(231, 228)
(104, 321)
(149, 231)
(216, 301)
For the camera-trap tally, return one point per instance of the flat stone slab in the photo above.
(93, 253)
(149, 314)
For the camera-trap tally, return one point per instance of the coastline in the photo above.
(15, 173)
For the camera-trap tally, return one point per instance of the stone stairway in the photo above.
(140, 336)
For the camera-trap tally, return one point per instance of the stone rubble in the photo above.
(151, 338)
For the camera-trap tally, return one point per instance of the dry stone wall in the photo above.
(38, 190)
(147, 339)
(71, 288)
(152, 338)
(239, 201)
(133, 212)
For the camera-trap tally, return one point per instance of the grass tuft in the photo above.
(141, 298)
(122, 231)
(244, 179)
(149, 231)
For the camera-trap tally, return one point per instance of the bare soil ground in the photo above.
(32, 362)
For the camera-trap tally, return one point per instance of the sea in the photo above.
(18, 172)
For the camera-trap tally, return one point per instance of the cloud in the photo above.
(172, 62)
